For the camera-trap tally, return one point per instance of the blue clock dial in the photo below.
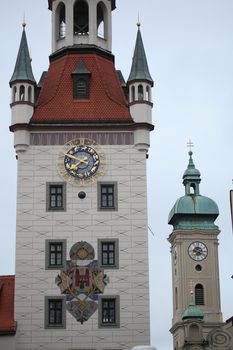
(81, 161)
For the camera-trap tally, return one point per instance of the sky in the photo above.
(189, 47)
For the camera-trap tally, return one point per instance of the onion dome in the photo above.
(193, 210)
(192, 312)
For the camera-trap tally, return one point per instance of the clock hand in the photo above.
(84, 160)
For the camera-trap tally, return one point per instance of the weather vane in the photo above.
(190, 145)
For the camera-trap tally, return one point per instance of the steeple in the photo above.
(139, 69)
(191, 209)
(23, 67)
(23, 87)
(139, 84)
(191, 177)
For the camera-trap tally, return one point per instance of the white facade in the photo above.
(81, 221)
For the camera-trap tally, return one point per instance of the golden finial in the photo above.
(191, 288)
(190, 145)
(138, 22)
(24, 22)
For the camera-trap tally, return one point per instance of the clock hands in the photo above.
(80, 161)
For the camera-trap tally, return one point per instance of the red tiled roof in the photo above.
(7, 291)
(107, 103)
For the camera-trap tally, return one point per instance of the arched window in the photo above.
(176, 298)
(133, 93)
(29, 94)
(199, 294)
(14, 94)
(101, 20)
(61, 20)
(148, 98)
(140, 93)
(81, 18)
(22, 93)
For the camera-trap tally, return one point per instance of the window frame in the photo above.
(199, 294)
(48, 243)
(48, 196)
(116, 299)
(115, 196)
(47, 324)
(116, 253)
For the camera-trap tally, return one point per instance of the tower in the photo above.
(197, 323)
(81, 242)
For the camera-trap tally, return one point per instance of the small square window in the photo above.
(109, 311)
(55, 254)
(55, 196)
(107, 196)
(108, 253)
(55, 312)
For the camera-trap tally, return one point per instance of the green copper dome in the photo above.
(193, 210)
(192, 312)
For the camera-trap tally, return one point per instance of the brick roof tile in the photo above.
(7, 290)
(107, 102)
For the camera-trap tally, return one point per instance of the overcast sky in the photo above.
(189, 45)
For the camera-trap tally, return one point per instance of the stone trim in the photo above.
(117, 311)
(116, 253)
(115, 194)
(63, 208)
(46, 312)
(47, 264)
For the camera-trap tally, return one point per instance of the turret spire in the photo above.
(23, 68)
(139, 69)
(191, 177)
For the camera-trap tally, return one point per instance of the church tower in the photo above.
(197, 320)
(81, 242)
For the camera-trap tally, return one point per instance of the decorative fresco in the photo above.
(81, 281)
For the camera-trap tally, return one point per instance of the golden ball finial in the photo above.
(24, 24)
(138, 22)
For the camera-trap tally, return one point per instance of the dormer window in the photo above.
(81, 81)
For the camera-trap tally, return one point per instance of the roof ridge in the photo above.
(57, 85)
(105, 85)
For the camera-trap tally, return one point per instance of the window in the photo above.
(55, 253)
(133, 93)
(81, 18)
(55, 196)
(14, 97)
(81, 89)
(199, 294)
(140, 93)
(22, 93)
(108, 253)
(109, 311)
(55, 312)
(101, 20)
(107, 196)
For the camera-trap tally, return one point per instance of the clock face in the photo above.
(81, 161)
(198, 251)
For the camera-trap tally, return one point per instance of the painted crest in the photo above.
(82, 281)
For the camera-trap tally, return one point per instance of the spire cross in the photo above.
(191, 284)
(138, 22)
(190, 145)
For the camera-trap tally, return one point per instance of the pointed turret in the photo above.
(23, 86)
(140, 83)
(23, 67)
(139, 69)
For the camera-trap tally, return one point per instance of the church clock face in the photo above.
(198, 251)
(81, 162)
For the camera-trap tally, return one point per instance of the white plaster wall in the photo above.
(7, 342)
(81, 221)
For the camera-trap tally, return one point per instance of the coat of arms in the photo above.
(82, 281)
